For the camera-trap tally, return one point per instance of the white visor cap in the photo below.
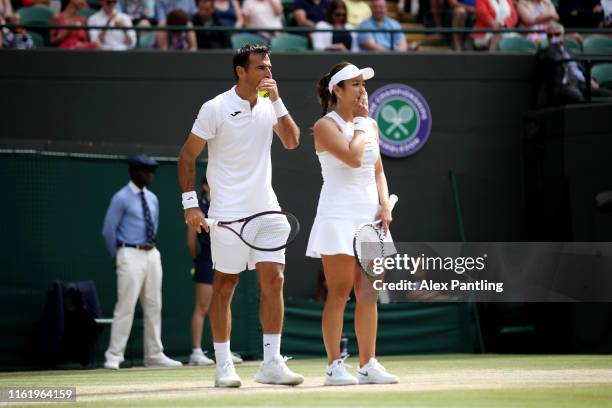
(348, 72)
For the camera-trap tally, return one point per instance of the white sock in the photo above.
(222, 352)
(197, 350)
(271, 346)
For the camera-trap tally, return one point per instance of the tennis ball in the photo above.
(262, 93)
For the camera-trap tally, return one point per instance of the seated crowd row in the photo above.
(270, 15)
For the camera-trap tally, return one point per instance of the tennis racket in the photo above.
(369, 245)
(264, 231)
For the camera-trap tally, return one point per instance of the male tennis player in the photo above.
(237, 125)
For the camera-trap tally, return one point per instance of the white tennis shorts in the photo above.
(231, 255)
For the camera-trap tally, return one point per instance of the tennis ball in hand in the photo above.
(262, 93)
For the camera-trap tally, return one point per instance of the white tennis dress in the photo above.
(349, 197)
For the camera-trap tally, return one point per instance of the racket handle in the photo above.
(393, 200)
(211, 222)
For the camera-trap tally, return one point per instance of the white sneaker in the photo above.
(112, 364)
(161, 361)
(375, 373)
(226, 377)
(276, 371)
(236, 359)
(336, 374)
(198, 358)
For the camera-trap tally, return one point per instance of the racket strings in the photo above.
(270, 231)
(369, 246)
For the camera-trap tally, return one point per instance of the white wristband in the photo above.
(190, 200)
(360, 123)
(279, 108)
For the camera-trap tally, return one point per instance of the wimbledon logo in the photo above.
(403, 117)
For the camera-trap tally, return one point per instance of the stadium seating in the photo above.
(570, 44)
(289, 42)
(86, 12)
(597, 44)
(35, 14)
(146, 40)
(602, 73)
(517, 44)
(241, 39)
(38, 39)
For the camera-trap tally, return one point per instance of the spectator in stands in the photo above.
(382, 41)
(71, 38)
(108, 16)
(6, 10)
(205, 17)
(263, 14)
(335, 17)
(163, 8)
(495, 14)
(581, 13)
(606, 5)
(130, 230)
(307, 13)
(15, 38)
(229, 12)
(436, 9)
(562, 83)
(142, 12)
(358, 11)
(536, 15)
(177, 40)
(463, 14)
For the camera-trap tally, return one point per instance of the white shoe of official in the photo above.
(162, 361)
(236, 359)
(226, 377)
(276, 371)
(375, 373)
(198, 358)
(112, 364)
(337, 374)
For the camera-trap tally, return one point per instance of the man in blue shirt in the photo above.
(129, 232)
(381, 41)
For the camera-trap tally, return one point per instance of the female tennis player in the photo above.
(354, 192)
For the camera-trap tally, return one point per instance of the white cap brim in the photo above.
(349, 72)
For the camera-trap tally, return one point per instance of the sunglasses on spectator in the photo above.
(110, 1)
(339, 14)
(551, 35)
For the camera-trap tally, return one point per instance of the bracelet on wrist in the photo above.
(361, 123)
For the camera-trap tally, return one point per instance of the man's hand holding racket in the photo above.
(194, 217)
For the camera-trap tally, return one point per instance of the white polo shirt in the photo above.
(114, 39)
(239, 140)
